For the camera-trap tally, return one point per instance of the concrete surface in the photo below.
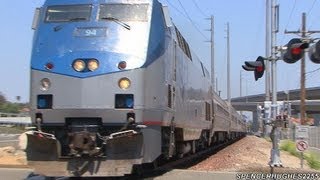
(14, 173)
(177, 174)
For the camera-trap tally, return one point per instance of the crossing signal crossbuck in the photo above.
(256, 66)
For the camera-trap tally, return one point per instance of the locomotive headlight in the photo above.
(79, 65)
(124, 83)
(93, 64)
(45, 84)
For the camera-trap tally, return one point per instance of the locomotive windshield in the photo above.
(67, 13)
(124, 12)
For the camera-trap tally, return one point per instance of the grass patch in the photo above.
(312, 158)
(11, 130)
(290, 147)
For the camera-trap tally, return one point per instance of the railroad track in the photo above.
(152, 170)
(184, 162)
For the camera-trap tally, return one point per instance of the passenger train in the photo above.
(115, 85)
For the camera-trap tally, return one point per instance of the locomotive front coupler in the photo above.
(83, 143)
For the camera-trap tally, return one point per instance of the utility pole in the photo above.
(240, 83)
(303, 75)
(217, 84)
(241, 90)
(228, 65)
(214, 83)
(267, 63)
(304, 34)
(228, 74)
(275, 133)
(212, 55)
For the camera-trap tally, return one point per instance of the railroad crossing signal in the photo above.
(314, 53)
(256, 66)
(295, 50)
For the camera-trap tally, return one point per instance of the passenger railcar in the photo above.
(115, 85)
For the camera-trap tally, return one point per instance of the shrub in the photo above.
(312, 159)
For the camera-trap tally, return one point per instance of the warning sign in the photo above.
(301, 145)
(302, 132)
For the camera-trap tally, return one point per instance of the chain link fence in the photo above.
(314, 135)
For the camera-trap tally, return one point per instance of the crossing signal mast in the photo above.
(295, 50)
(257, 66)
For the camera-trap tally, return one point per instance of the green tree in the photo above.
(10, 107)
(3, 99)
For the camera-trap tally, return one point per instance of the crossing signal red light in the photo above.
(295, 50)
(256, 66)
(259, 69)
(314, 53)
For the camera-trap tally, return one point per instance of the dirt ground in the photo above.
(250, 154)
(10, 156)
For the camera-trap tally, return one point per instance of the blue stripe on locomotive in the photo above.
(157, 34)
(62, 57)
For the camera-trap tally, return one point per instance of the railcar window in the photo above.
(213, 109)
(207, 111)
(183, 44)
(67, 13)
(124, 12)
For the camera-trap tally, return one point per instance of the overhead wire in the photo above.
(200, 10)
(174, 7)
(289, 19)
(310, 79)
(290, 16)
(314, 2)
(193, 24)
(310, 74)
(312, 71)
(309, 12)
(259, 29)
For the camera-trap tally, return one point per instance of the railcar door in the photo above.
(212, 116)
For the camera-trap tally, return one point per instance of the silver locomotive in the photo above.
(115, 85)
